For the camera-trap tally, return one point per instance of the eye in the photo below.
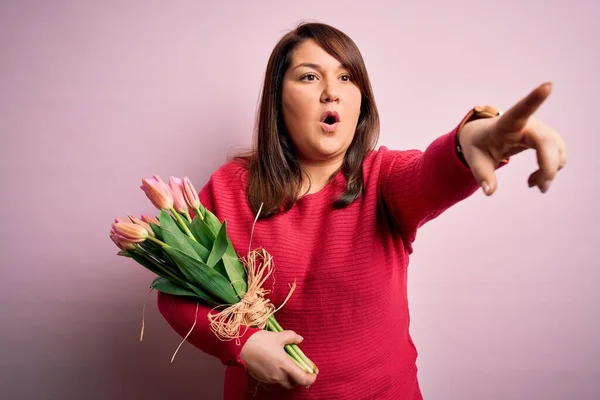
(307, 76)
(346, 78)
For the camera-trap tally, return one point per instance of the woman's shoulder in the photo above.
(225, 185)
(384, 153)
(233, 170)
(381, 159)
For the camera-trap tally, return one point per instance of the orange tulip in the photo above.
(143, 224)
(129, 232)
(149, 218)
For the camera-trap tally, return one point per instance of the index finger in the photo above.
(515, 118)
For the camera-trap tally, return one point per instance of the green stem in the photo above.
(182, 224)
(187, 216)
(198, 213)
(292, 349)
(288, 349)
(302, 367)
(155, 240)
(295, 346)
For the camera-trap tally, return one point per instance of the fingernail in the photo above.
(301, 338)
(485, 187)
(545, 186)
(307, 386)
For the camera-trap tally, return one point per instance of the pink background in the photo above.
(96, 95)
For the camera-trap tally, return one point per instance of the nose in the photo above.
(330, 94)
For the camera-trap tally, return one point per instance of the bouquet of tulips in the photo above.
(194, 257)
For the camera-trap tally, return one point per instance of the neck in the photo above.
(316, 174)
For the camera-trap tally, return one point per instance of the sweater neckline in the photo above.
(336, 182)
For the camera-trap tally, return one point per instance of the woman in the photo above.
(339, 218)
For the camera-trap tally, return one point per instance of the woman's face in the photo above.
(321, 105)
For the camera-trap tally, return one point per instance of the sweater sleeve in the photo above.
(180, 312)
(417, 186)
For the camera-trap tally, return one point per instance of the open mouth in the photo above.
(330, 118)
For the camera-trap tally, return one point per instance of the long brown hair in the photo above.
(275, 176)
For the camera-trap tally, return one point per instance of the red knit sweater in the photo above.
(350, 304)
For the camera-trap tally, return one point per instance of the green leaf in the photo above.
(166, 286)
(210, 227)
(202, 233)
(234, 267)
(152, 248)
(148, 264)
(156, 267)
(212, 222)
(236, 273)
(175, 238)
(202, 251)
(202, 276)
(156, 230)
(219, 247)
(220, 268)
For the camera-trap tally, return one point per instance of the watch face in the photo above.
(486, 111)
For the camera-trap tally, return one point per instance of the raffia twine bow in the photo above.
(253, 310)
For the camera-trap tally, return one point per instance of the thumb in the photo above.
(483, 169)
(290, 337)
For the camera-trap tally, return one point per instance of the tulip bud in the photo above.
(121, 243)
(149, 218)
(157, 192)
(179, 203)
(129, 232)
(143, 224)
(190, 194)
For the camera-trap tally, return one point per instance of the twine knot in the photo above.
(253, 310)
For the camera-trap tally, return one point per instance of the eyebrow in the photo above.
(316, 66)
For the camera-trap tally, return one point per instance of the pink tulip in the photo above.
(122, 244)
(149, 218)
(143, 224)
(157, 192)
(129, 232)
(190, 194)
(179, 203)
